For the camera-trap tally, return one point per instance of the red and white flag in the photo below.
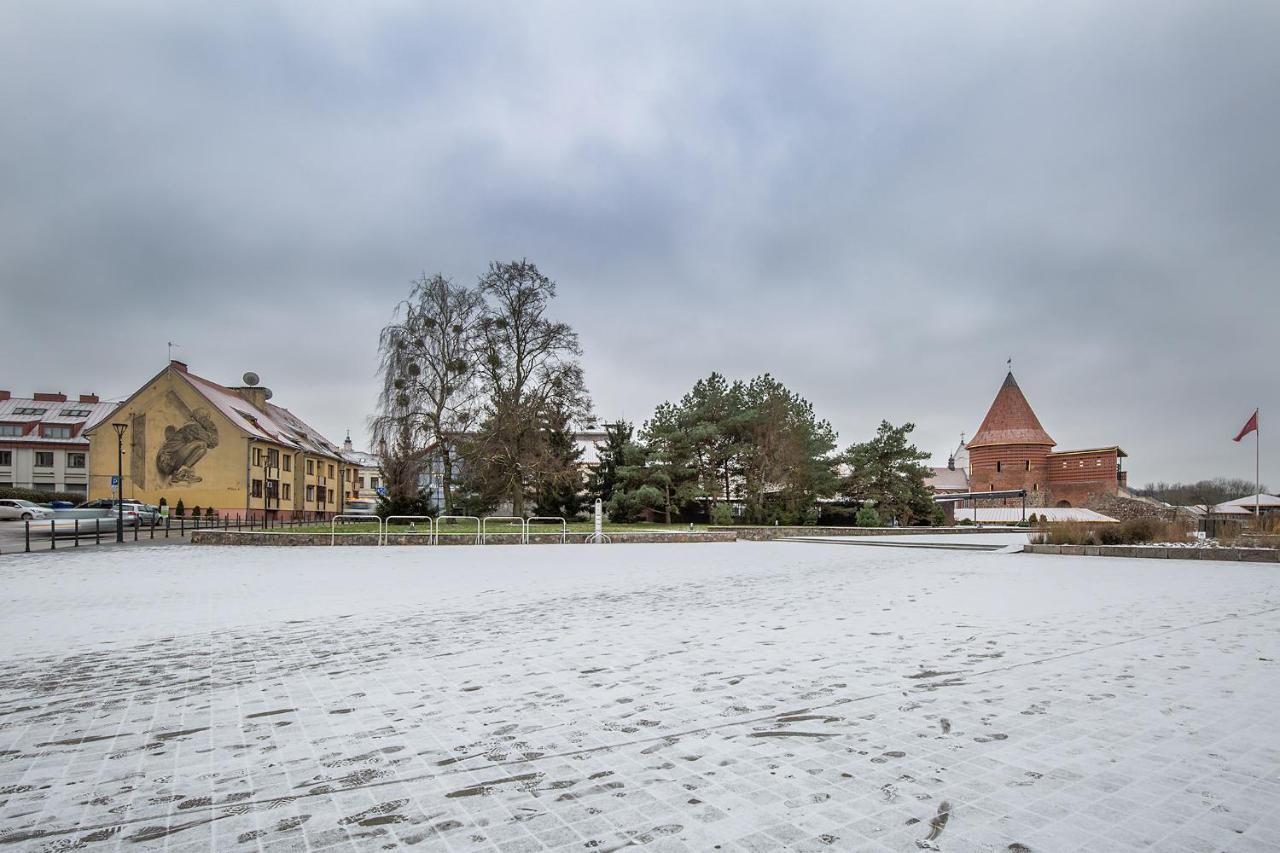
(1250, 426)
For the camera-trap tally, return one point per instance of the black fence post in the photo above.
(182, 525)
(137, 522)
(97, 531)
(53, 540)
(167, 521)
(77, 533)
(28, 524)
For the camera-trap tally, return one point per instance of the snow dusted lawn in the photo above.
(753, 696)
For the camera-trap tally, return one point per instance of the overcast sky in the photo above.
(878, 203)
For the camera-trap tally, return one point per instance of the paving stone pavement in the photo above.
(744, 697)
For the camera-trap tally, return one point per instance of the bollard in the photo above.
(77, 533)
(153, 527)
(182, 525)
(53, 540)
(166, 527)
(137, 522)
(97, 531)
(28, 524)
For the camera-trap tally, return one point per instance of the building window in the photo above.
(56, 431)
(311, 468)
(362, 482)
(273, 458)
(288, 462)
(373, 482)
(1028, 464)
(6, 457)
(999, 466)
(257, 489)
(257, 457)
(311, 493)
(11, 429)
(75, 460)
(44, 458)
(29, 411)
(284, 490)
(330, 472)
(75, 413)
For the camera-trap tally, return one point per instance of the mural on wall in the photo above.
(184, 446)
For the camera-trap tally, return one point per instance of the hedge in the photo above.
(39, 497)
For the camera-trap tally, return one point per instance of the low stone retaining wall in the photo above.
(1159, 552)
(765, 533)
(284, 538)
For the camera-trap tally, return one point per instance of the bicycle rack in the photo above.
(524, 527)
(564, 526)
(431, 533)
(333, 527)
(476, 519)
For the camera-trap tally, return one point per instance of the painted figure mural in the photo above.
(184, 447)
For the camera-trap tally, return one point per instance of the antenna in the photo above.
(1010, 363)
(250, 379)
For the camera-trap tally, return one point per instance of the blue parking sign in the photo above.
(115, 480)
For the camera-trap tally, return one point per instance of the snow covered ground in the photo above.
(748, 696)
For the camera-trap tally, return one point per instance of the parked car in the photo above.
(360, 507)
(19, 510)
(135, 512)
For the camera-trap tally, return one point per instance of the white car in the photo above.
(12, 508)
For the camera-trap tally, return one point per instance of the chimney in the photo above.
(49, 397)
(951, 463)
(255, 394)
(4, 395)
(180, 366)
(89, 398)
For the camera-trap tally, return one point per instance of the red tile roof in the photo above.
(1010, 420)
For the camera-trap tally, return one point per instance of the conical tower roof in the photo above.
(1010, 420)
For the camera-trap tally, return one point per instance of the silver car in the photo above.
(20, 510)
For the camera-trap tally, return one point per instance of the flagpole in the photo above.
(1257, 470)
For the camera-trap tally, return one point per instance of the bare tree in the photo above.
(531, 376)
(429, 383)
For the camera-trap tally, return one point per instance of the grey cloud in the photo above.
(877, 203)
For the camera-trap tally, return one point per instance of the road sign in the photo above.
(115, 481)
(382, 490)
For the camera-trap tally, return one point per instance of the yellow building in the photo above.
(220, 448)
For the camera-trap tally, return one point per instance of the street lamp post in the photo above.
(120, 428)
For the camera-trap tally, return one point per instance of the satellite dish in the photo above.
(266, 393)
(250, 378)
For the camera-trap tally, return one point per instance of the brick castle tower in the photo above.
(1011, 450)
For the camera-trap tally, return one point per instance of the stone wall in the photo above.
(765, 533)
(1160, 552)
(285, 538)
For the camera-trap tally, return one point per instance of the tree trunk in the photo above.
(446, 478)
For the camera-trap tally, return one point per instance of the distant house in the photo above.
(42, 440)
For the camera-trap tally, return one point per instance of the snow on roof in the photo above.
(58, 413)
(274, 423)
(999, 514)
(1263, 499)
(947, 479)
(1230, 509)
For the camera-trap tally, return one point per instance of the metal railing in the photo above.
(564, 526)
(476, 519)
(430, 534)
(333, 527)
(524, 527)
